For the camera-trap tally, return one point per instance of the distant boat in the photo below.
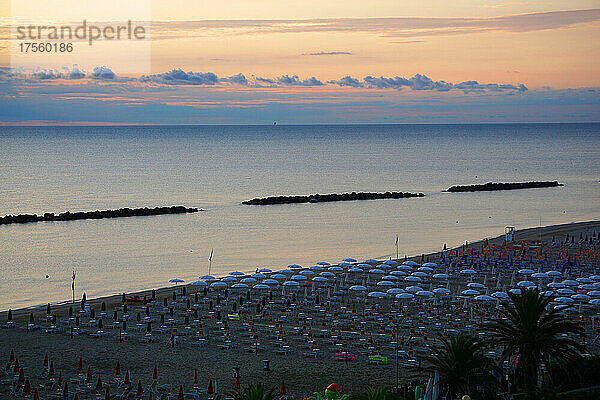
(275, 123)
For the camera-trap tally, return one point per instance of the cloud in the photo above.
(384, 26)
(347, 81)
(328, 53)
(103, 73)
(238, 79)
(180, 77)
(287, 80)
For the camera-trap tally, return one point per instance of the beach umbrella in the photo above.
(390, 262)
(261, 286)
(377, 295)
(424, 293)
(320, 279)
(236, 273)
(278, 276)
(484, 297)
(258, 275)
(564, 307)
(595, 277)
(294, 266)
(357, 288)
(298, 278)
(556, 285)
(384, 266)
(355, 269)
(476, 285)
(526, 271)
(565, 291)
(176, 280)
(370, 260)
(540, 275)
(385, 283)
(425, 269)
(413, 279)
(398, 273)
(404, 296)
(548, 293)
(228, 279)
(526, 284)
(570, 282)
(594, 302)
(515, 291)
(596, 285)
(594, 293)
(580, 297)
(404, 267)
(468, 271)
(287, 271)
(587, 286)
(265, 270)
(316, 268)
(420, 274)
(198, 283)
(248, 280)
(411, 263)
(430, 264)
(376, 271)
(208, 278)
(500, 295)
(291, 283)
(326, 273)
(271, 282)
(218, 285)
(394, 291)
(389, 278)
(441, 276)
(365, 266)
(335, 268)
(564, 300)
(306, 272)
(554, 273)
(343, 264)
(323, 263)
(470, 292)
(239, 286)
(349, 259)
(584, 280)
(441, 291)
(414, 289)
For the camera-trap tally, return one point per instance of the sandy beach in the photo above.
(298, 330)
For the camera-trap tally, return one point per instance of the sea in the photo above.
(57, 169)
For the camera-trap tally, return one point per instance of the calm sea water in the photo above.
(216, 167)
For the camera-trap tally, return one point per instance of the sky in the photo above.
(327, 61)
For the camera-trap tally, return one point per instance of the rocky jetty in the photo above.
(320, 198)
(121, 212)
(490, 186)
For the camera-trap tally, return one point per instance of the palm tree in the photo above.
(531, 336)
(253, 392)
(462, 366)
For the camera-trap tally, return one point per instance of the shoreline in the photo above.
(526, 234)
